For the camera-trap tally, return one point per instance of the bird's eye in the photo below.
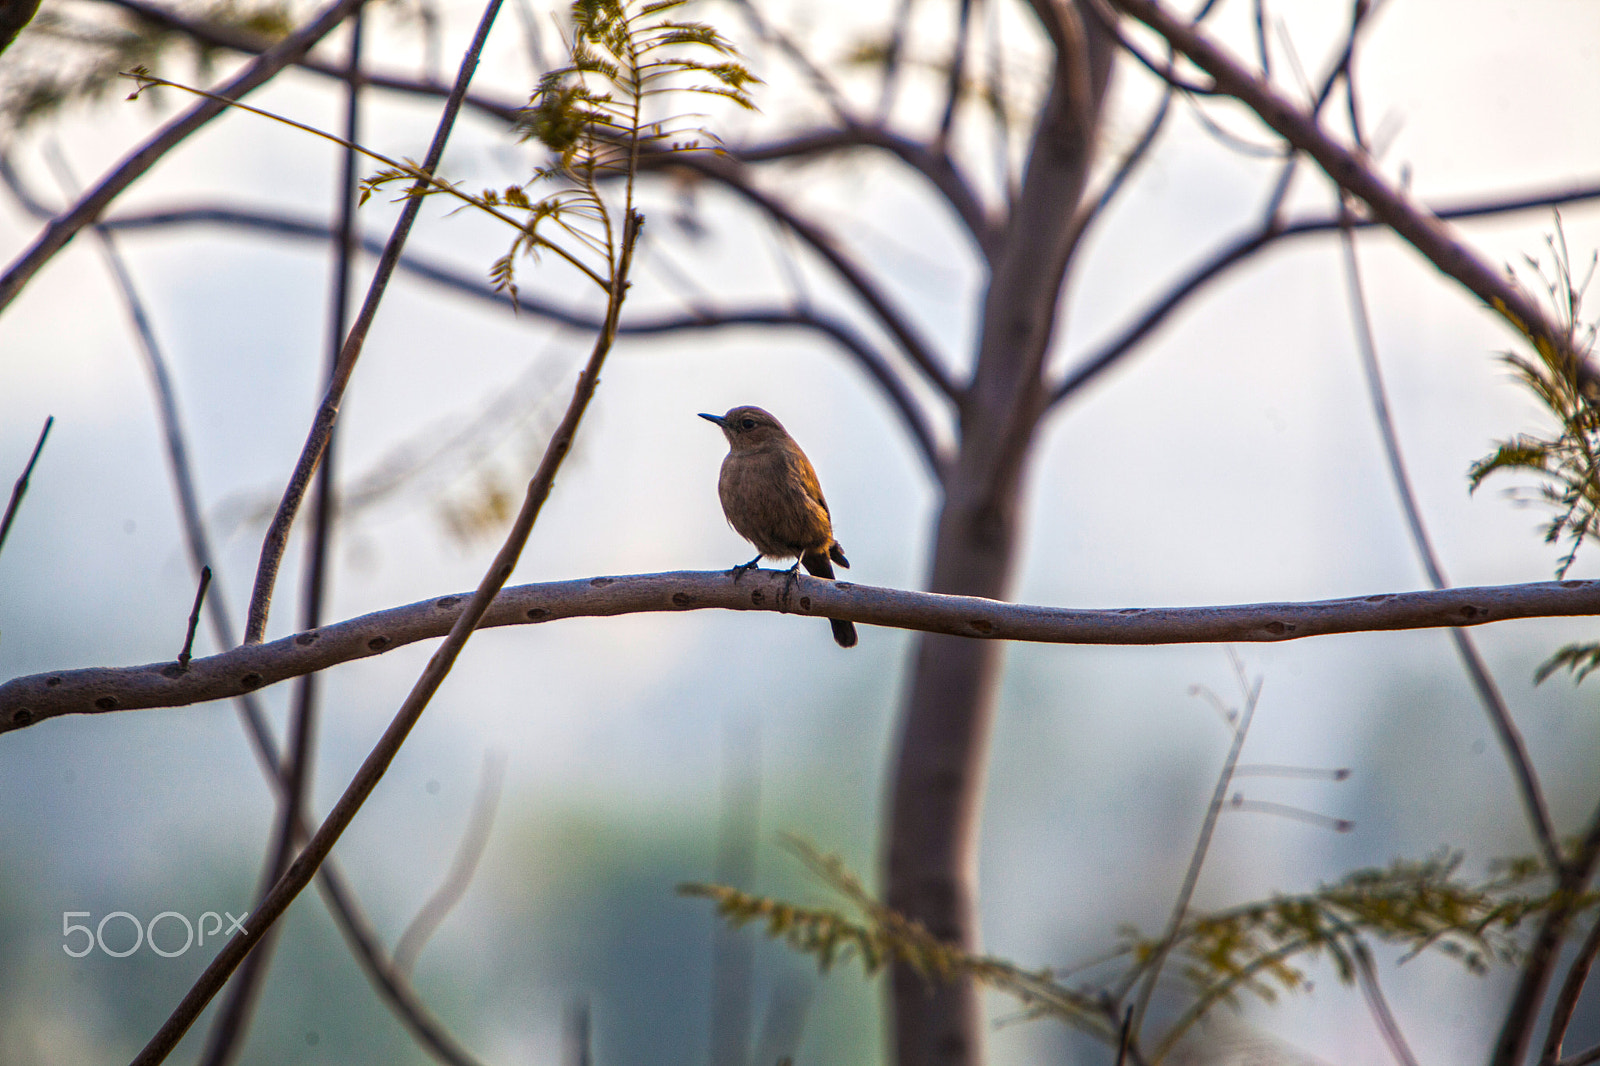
(748, 423)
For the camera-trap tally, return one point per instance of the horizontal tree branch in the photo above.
(25, 701)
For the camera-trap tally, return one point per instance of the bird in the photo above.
(771, 497)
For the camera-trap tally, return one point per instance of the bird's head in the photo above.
(748, 427)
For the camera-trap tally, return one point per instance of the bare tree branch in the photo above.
(905, 404)
(1566, 1003)
(340, 898)
(1241, 248)
(1523, 1013)
(217, 36)
(19, 488)
(469, 851)
(25, 701)
(936, 166)
(305, 866)
(957, 73)
(277, 538)
(91, 204)
(1354, 171)
(231, 1023)
(731, 174)
(1489, 695)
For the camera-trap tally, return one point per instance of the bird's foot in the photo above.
(791, 575)
(744, 568)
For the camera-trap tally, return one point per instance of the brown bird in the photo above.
(771, 498)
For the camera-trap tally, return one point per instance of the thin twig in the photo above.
(93, 203)
(194, 618)
(469, 852)
(1483, 683)
(1388, 1026)
(894, 60)
(910, 339)
(238, 40)
(277, 538)
(957, 72)
(226, 1038)
(19, 488)
(1191, 877)
(1566, 1003)
(1523, 1013)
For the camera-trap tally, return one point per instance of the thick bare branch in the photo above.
(25, 701)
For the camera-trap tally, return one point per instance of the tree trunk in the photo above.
(931, 849)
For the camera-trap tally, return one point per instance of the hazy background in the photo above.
(1233, 459)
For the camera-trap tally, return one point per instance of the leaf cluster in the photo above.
(591, 115)
(1261, 948)
(1565, 462)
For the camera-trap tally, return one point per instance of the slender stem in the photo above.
(19, 488)
(1353, 170)
(1388, 1025)
(1242, 248)
(277, 537)
(1191, 877)
(469, 852)
(1483, 683)
(226, 1039)
(1567, 999)
(194, 618)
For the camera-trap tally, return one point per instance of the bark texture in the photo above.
(937, 790)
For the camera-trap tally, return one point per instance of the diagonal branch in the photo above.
(19, 488)
(1241, 248)
(277, 538)
(91, 204)
(1354, 171)
(1489, 695)
(232, 1021)
(936, 166)
(26, 701)
(873, 361)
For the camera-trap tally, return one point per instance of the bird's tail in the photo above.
(817, 564)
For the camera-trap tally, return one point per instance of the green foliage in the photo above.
(1581, 659)
(1260, 948)
(591, 116)
(74, 53)
(1566, 462)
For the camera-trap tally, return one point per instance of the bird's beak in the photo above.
(718, 419)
